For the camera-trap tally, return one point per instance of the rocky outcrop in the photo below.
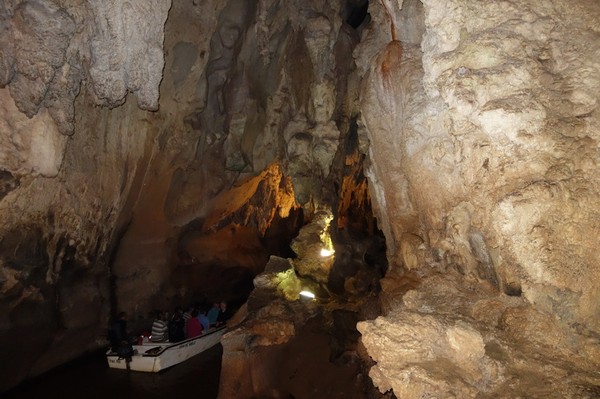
(483, 139)
(485, 133)
(29, 146)
(127, 50)
(314, 248)
(245, 225)
(36, 59)
(454, 339)
(65, 200)
(224, 103)
(57, 236)
(289, 345)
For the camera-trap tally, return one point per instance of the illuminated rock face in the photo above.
(95, 222)
(483, 149)
(485, 161)
(65, 199)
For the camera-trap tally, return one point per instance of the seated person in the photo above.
(213, 314)
(160, 329)
(176, 328)
(223, 314)
(187, 314)
(117, 334)
(193, 327)
(120, 341)
(203, 320)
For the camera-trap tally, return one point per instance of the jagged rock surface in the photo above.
(49, 47)
(451, 339)
(483, 147)
(64, 200)
(491, 167)
(29, 146)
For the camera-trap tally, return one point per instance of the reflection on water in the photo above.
(91, 378)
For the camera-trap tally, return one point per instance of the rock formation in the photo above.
(483, 146)
(62, 197)
(146, 145)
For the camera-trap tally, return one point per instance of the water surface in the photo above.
(90, 378)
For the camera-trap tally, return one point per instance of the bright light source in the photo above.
(326, 252)
(307, 294)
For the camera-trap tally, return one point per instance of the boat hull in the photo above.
(165, 354)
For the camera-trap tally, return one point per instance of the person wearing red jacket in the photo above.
(193, 327)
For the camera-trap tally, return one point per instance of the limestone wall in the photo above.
(484, 147)
(97, 191)
(66, 199)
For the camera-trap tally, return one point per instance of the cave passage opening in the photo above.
(356, 13)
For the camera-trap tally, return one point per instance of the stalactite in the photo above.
(391, 57)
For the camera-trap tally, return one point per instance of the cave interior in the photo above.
(427, 169)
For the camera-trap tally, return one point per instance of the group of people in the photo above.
(187, 324)
(170, 327)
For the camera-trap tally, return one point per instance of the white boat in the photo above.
(156, 356)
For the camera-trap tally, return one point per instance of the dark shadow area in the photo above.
(360, 248)
(356, 12)
(214, 283)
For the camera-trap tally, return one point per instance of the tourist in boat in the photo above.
(119, 329)
(223, 314)
(159, 328)
(178, 311)
(187, 314)
(213, 314)
(113, 336)
(177, 328)
(203, 319)
(193, 327)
